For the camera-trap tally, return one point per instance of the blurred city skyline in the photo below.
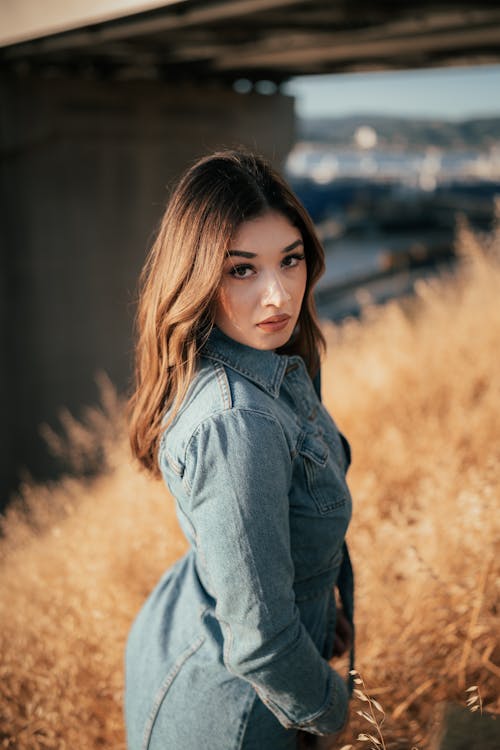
(450, 93)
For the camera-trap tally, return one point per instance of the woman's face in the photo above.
(263, 282)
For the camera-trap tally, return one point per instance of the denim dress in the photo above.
(231, 649)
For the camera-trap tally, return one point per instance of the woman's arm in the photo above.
(238, 474)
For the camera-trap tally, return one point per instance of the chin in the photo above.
(257, 339)
(266, 346)
(272, 342)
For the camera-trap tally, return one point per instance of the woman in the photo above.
(231, 649)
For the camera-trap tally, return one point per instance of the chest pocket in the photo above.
(325, 475)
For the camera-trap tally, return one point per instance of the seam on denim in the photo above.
(323, 506)
(247, 712)
(161, 440)
(276, 709)
(161, 443)
(347, 450)
(279, 655)
(331, 620)
(185, 515)
(202, 611)
(203, 560)
(187, 484)
(330, 705)
(223, 383)
(198, 426)
(227, 638)
(238, 368)
(177, 468)
(164, 687)
(312, 416)
(276, 657)
(316, 452)
(333, 506)
(334, 562)
(325, 708)
(296, 358)
(278, 378)
(272, 386)
(218, 413)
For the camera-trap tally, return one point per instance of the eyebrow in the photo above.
(245, 254)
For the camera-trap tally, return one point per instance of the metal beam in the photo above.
(128, 27)
(354, 46)
(266, 38)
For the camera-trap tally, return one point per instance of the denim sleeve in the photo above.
(238, 470)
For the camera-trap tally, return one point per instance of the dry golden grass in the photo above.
(415, 387)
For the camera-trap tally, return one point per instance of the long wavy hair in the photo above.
(179, 283)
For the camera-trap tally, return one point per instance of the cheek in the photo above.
(230, 303)
(300, 282)
(223, 304)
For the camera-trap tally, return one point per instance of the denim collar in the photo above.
(265, 368)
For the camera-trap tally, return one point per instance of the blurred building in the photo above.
(103, 103)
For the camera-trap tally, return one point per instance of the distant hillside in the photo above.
(400, 132)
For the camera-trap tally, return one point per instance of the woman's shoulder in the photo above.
(217, 392)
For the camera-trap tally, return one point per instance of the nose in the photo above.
(274, 292)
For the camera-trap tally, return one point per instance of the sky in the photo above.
(449, 93)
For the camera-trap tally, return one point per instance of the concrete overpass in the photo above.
(103, 102)
(258, 39)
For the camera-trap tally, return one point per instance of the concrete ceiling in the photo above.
(23, 20)
(255, 39)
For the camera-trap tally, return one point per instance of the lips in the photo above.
(274, 323)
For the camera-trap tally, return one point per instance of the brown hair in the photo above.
(180, 279)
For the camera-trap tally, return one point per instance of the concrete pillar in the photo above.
(85, 171)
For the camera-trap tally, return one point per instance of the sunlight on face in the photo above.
(263, 282)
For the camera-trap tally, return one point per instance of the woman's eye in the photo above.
(292, 260)
(241, 272)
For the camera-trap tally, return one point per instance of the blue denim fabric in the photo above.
(231, 649)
